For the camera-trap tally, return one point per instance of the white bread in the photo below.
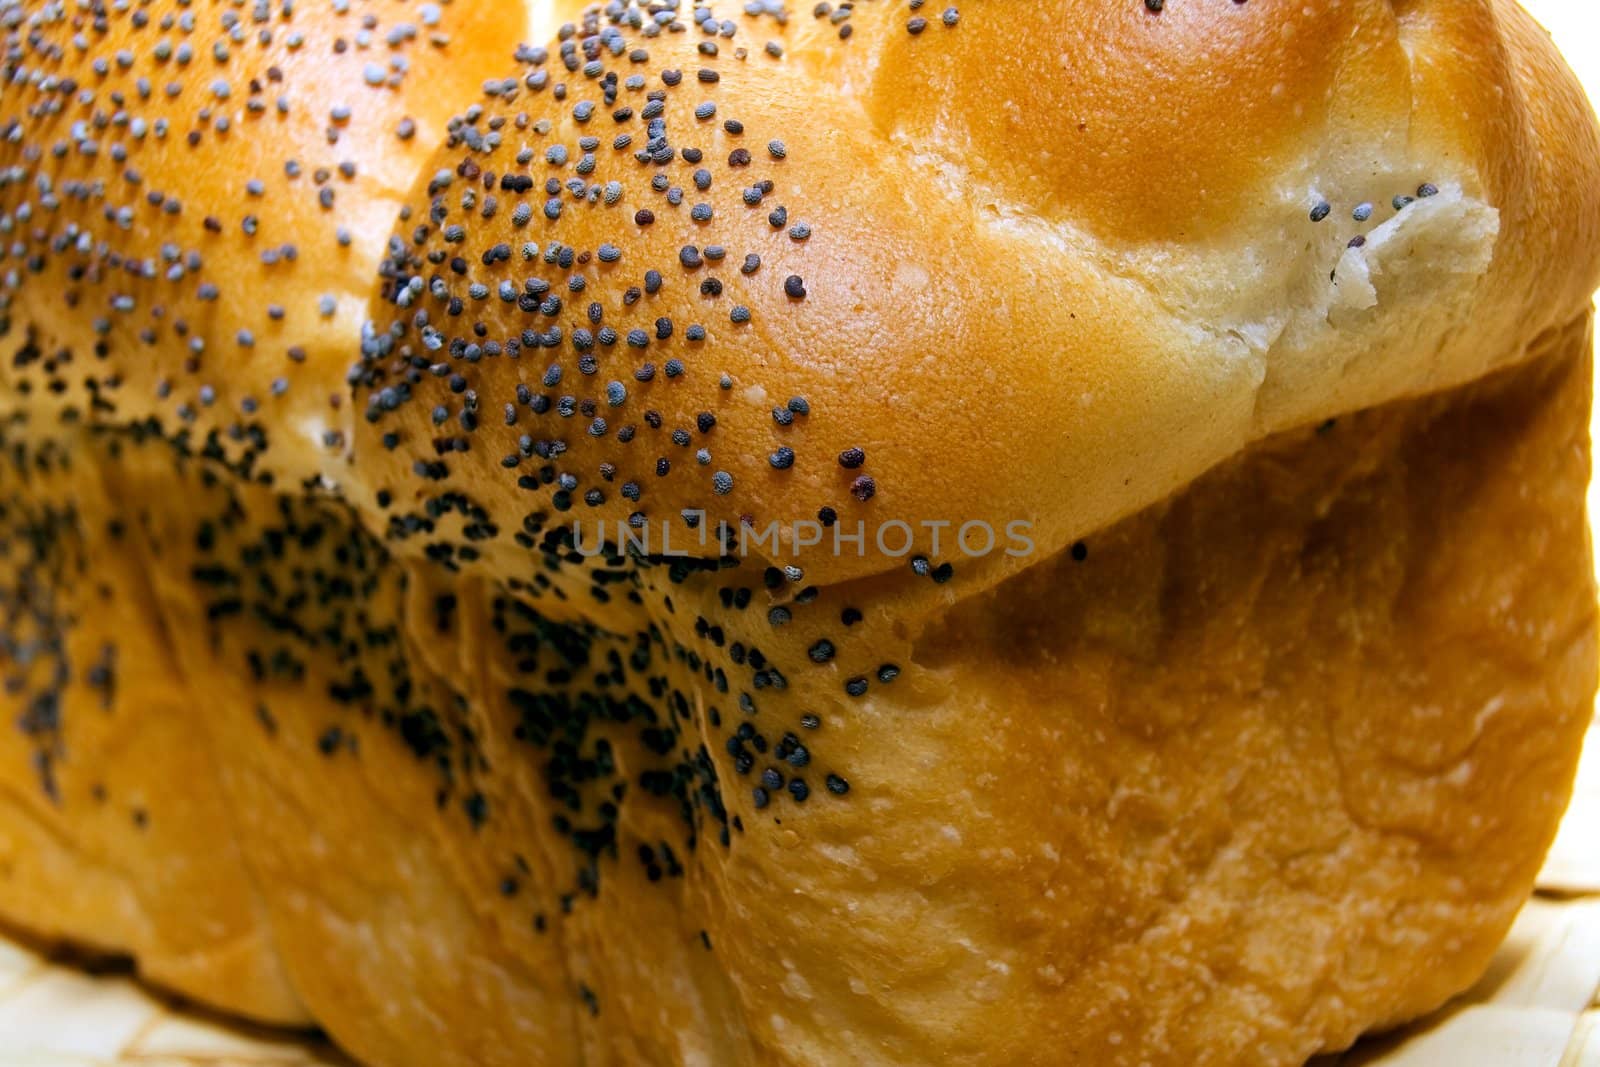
(1257, 748)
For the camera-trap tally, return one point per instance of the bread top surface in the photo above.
(200, 194)
(1038, 264)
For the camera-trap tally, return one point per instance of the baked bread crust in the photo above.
(1257, 749)
(1173, 221)
(115, 835)
(1174, 837)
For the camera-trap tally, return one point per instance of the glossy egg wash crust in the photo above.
(329, 330)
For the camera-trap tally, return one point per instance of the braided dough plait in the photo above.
(1268, 320)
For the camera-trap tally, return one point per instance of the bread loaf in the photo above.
(1037, 533)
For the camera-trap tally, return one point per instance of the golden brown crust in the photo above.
(1259, 844)
(114, 833)
(1154, 203)
(1271, 764)
(1218, 777)
(202, 196)
(1179, 301)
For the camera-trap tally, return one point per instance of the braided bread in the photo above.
(879, 533)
